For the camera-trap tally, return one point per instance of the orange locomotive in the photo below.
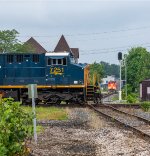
(112, 86)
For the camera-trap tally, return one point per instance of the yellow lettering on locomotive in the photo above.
(57, 71)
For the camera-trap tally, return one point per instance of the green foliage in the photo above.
(145, 105)
(10, 43)
(132, 98)
(50, 113)
(129, 91)
(138, 65)
(23, 48)
(8, 40)
(15, 126)
(98, 69)
(110, 69)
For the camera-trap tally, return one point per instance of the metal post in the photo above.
(120, 92)
(125, 56)
(0, 98)
(33, 110)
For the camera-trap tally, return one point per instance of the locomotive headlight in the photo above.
(75, 82)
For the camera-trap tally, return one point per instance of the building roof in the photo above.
(36, 47)
(62, 45)
(75, 52)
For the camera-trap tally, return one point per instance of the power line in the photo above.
(115, 48)
(111, 50)
(93, 33)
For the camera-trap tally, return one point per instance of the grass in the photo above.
(39, 129)
(48, 113)
(145, 106)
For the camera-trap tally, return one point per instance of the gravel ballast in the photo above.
(86, 134)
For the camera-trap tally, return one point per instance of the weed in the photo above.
(145, 106)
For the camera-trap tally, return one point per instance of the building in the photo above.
(34, 46)
(145, 90)
(105, 81)
(63, 46)
(108, 78)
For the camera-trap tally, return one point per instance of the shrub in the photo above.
(145, 106)
(15, 126)
(132, 98)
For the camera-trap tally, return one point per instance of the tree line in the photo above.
(137, 65)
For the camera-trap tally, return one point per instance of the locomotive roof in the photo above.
(57, 54)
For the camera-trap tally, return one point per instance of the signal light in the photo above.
(119, 56)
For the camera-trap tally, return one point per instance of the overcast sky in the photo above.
(100, 29)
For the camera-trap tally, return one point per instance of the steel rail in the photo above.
(121, 123)
(129, 114)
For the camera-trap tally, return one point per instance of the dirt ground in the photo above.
(86, 134)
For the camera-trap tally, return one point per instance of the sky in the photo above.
(99, 28)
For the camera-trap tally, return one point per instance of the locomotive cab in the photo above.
(62, 70)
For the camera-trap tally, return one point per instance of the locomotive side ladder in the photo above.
(90, 92)
(90, 89)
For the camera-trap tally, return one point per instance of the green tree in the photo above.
(23, 48)
(10, 43)
(98, 69)
(138, 65)
(110, 69)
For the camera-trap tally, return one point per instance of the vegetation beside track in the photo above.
(48, 113)
(16, 128)
(145, 106)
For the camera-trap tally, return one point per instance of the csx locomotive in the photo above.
(57, 77)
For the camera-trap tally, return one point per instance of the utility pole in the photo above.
(120, 60)
(125, 60)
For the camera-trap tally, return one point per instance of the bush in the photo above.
(15, 126)
(132, 98)
(145, 106)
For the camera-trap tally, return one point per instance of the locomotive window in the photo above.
(10, 58)
(19, 58)
(49, 61)
(35, 58)
(64, 61)
(26, 55)
(59, 61)
(54, 61)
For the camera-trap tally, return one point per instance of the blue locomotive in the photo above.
(57, 77)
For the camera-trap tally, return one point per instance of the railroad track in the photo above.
(137, 124)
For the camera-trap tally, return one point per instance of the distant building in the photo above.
(108, 78)
(105, 81)
(62, 46)
(35, 46)
(145, 90)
